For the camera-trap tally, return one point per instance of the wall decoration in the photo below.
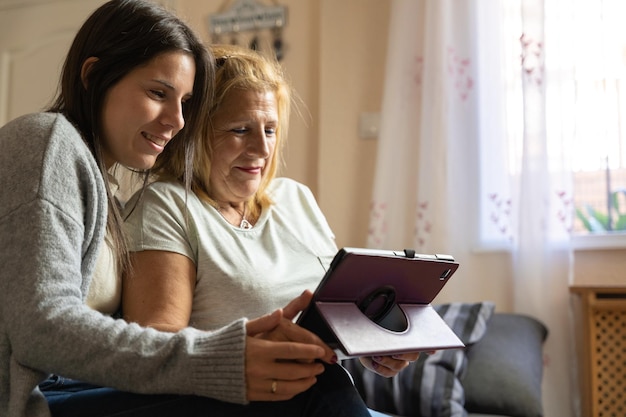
(251, 23)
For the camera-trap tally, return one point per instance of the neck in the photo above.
(235, 214)
(238, 207)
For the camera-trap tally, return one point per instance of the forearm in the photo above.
(51, 329)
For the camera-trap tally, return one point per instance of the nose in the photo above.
(173, 116)
(258, 145)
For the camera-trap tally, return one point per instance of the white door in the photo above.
(34, 38)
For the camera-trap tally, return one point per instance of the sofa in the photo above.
(498, 373)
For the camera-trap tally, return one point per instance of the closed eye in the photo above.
(158, 94)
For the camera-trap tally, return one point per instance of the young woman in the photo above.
(136, 82)
(244, 242)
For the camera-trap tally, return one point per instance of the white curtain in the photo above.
(463, 165)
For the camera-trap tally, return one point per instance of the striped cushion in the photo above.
(431, 385)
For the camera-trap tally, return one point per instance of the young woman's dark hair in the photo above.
(123, 35)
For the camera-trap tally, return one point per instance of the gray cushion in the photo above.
(505, 368)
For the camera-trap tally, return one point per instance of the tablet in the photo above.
(377, 302)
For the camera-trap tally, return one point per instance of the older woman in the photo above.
(244, 242)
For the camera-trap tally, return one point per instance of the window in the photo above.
(584, 76)
(599, 113)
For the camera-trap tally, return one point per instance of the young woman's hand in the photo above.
(290, 311)
(282, 358)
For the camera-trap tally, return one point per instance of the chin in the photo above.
(141, 165)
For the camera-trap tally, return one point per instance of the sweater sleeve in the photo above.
(52, 219)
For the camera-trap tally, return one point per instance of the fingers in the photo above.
(279, 326)
(282, 357)
(383, 365)
(281, 380)
(304, 336)
(388, 366)
(409, 357)
(269, 361)
(289, 331)
(297, 305)
(277, 389)
(264, 324)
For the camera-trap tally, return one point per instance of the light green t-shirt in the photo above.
(240, 273)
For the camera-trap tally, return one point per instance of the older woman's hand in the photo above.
(287, 330)
(291, 310)
(388, 366)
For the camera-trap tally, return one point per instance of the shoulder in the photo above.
(66, 157)
(32, 121)
(284, 187)
(289, 194)
(37, 125)
(158, 198)
(49, 175)
(295, 202)
(168, 192)
(166, 187)
(42, 134)
(44, 156)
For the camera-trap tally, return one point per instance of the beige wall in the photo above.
(354, 42)
(335, 55)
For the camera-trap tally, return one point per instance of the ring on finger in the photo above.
(274, 387)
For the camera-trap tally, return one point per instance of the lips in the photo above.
(158, 141)
(251, 170)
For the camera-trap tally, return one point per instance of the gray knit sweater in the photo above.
(52, 221)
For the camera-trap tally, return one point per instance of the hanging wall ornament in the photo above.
(249, 16)
(278, 43)
(254, 43)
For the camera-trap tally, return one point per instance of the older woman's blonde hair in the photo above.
(237, 68)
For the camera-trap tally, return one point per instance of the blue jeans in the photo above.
(333, 395)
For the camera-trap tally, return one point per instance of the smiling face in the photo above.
(244, 139)
(143, 111)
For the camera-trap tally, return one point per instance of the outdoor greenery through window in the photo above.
(599, 144)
